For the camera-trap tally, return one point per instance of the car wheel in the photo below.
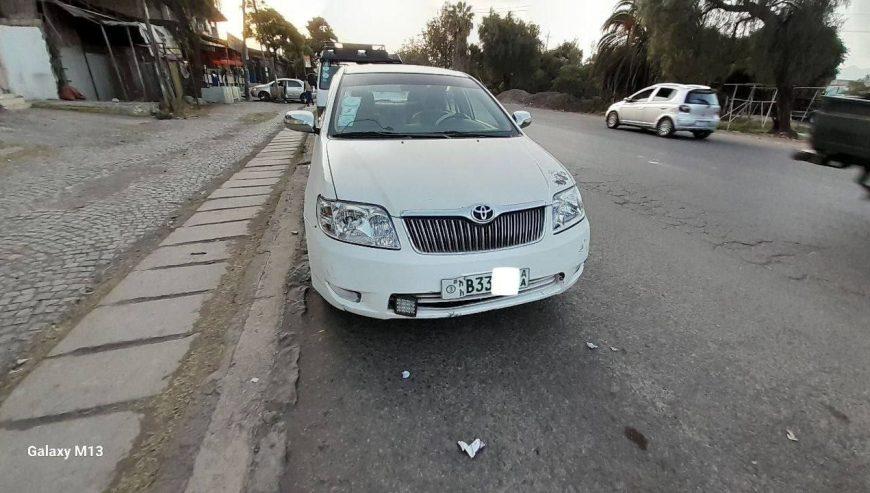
(701, 134)
(265, 96)
(612, 120)
(665, 127)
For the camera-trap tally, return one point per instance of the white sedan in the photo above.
(426, 199)
(286, 89)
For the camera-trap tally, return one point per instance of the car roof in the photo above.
(400, 69)
(676, 85)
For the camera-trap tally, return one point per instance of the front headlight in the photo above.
(567, 209)
(361, 224)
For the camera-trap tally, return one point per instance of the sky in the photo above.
(393, 22)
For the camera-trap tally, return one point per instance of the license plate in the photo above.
(460, 287)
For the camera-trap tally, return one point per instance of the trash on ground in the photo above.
(472, 449)
(637, 437)
(255, 380)
(614, 349)
(21, 361)
(406, 374)
(790, 435)
(591, 345)
(295, 232)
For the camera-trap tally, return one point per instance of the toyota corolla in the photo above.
(424, 195)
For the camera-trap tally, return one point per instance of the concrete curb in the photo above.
(227, 452)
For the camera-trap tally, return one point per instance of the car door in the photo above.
(632, 108)
(294, 89)
(657, 105)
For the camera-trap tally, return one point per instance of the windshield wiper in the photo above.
(473, 135)
(390, 135)
(368, 133)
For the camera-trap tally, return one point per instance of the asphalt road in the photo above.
(734, 283)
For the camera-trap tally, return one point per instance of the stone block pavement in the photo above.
(81, 190)
(124, 352)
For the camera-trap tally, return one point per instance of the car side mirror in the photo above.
(523, 118)
(300, 121)
(629, 100)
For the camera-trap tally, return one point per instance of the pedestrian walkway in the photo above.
(85, 399)
(81, 192)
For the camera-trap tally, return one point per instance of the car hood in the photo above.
(427, 174)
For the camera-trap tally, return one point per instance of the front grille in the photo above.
(455, 234)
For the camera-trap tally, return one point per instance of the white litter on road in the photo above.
(255, 380)
(790, 435)
(472, 449)
(591, 345)
(406, 374)
(614, 349)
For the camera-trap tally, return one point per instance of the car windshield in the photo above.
(702, 97)
(327, 71)
(416, 106)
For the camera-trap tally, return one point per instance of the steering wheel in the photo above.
(418, 116)
(451, 116)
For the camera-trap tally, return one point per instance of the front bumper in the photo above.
(555, 262)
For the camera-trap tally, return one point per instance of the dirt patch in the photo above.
(258, 117)
(550, 100)
(17, 152)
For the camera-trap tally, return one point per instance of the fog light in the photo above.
(405, 305)
(346, 294)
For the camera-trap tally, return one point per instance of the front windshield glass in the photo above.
(415, 106)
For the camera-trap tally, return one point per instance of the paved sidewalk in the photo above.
(92, 391)
(78, 191)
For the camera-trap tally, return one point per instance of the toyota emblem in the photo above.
(482, 213)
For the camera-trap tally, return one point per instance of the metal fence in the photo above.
(756, 103)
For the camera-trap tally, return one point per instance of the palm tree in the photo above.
(459, 22)
(622, 59)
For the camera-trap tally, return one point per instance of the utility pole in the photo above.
(153, 41)
(245, 49)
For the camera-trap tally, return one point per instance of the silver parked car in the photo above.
(668, 108)
(283, 89)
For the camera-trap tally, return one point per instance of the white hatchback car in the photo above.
(421, 185)
(668, 108)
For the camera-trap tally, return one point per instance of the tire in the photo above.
(665, 127)
(701, 134)
(264, 96)
(612, 120)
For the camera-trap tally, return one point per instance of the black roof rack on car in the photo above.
(357, 53)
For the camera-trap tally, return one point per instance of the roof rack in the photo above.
(357, 53)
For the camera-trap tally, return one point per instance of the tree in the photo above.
(791, 43)
(444, 40)
(415, 52)
(320, 32)
(275, 34)
(622, 58)
(511, 50)
(685, 47)
(458, 21)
